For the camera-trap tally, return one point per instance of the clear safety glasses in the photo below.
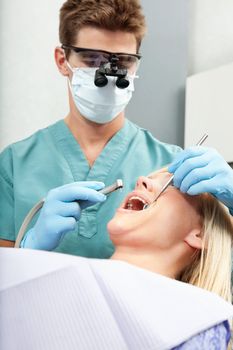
(95, 58)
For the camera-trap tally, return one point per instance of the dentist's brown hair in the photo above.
(113, 15)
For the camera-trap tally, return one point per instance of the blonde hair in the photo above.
(211, 267)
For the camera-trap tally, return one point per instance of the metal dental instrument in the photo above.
(107, 190)
(204, 137)
(116, 186)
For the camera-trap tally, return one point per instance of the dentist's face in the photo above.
(164, 224)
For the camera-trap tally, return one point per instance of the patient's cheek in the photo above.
(175, 214)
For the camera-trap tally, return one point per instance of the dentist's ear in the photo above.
(194, 239)
(60, 60)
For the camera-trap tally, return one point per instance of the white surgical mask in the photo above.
(98, 104)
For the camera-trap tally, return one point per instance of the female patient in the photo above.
(182, 237)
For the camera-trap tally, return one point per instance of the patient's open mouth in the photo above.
(135, 203)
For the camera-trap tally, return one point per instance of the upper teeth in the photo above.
(130, 204)
(140, 199)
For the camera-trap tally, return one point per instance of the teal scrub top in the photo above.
(52, 157)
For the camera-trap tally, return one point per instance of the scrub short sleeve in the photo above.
(7, 227)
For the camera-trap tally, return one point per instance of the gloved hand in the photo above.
(60, 213)
(200, 169)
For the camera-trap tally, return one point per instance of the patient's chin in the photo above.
(116, 227)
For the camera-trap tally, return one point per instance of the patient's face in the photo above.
(162, 225)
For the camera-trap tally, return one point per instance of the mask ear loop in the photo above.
(69, 66)
(72, 70)
(69, 81)
(70, 87)
(67, 63)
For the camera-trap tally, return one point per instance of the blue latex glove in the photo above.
(200, 169)
(60, 213)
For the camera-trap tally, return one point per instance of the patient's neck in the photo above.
(159, 262)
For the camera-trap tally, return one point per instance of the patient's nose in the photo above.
(143, 183)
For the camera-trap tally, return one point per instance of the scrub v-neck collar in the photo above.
(72, 152)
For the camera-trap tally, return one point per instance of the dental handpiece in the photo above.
(107, 190)
(114, 187)
(168, 183)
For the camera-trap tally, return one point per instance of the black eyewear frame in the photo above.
(111, 54)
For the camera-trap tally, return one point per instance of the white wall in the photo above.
(209, 102)
(209, 109)
(210, 34)
(159, 98)
(32, 92)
